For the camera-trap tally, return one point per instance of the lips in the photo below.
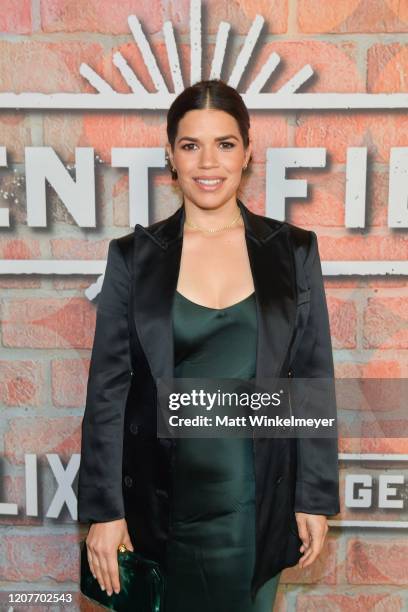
(209, 183)
(213, 180)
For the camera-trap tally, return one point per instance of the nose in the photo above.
(208, 158)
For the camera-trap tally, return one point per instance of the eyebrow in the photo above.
(217, 139)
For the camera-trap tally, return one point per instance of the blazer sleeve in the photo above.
(317, 480)
(100, 472)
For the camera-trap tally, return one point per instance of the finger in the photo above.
(312, 554)
(308, 551)
(304, 535)
(104, 562)
(113, 569)
(90, 561)
(306, 554)
(305, 557)
(98, 570)
(128, 543)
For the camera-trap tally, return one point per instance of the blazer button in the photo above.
(128, 481)
(134, 428)
(277, 481)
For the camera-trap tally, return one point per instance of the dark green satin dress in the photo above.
(211, 550)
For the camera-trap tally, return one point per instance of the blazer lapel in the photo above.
(156, 269)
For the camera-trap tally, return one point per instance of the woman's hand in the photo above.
(102, 544)
(312, 531)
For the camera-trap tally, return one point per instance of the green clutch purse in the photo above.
(141, 584)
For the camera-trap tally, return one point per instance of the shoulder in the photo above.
(301, 239)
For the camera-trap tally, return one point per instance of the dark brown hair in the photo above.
(214, 94)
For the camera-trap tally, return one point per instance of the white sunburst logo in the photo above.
(42, 164)
(139, 98)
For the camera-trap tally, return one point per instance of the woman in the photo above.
(214, 290)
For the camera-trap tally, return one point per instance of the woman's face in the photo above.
(208, 145)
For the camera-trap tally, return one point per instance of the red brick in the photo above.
(352, 16)
(33, 558)
(372, 445)
(332, 602)
(267, 131)
(343, 322)
(322, 571)
(47, 67)
(365, 389)
(87, 605)
(367, 247)
(15, 16)
(280, 604)
(324, 205)
(387, 282)
(365, 282)
(385, 445)
(252, 190)
(48, 323)
(375, 368)
(378, 131)
(388, 427)
(334, 66)
(19, 281)
(61, 283)
(63, 131)
(372, 561)
(377, 199)
(385, 323)
(69, 380)
(103, 17)
(275, 13)
(21, 383)
(40, 436)
(19, 248)
(73, 16)
(77, 248)
(349, 445)
(15, 135)
(343, 282)
(103, 131)
(387, 68)
(120, 199)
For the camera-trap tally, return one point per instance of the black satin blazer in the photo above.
(125, 470)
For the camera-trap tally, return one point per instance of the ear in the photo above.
(168, 152)
(248, 152)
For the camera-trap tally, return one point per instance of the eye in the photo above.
(187, 146)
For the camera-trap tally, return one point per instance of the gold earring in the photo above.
(172, 167)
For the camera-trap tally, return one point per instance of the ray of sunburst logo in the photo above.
(287, 97)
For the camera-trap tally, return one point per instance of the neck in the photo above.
(210, 217)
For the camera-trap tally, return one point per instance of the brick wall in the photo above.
(47, 323)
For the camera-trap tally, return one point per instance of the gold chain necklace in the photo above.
(203, 229)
